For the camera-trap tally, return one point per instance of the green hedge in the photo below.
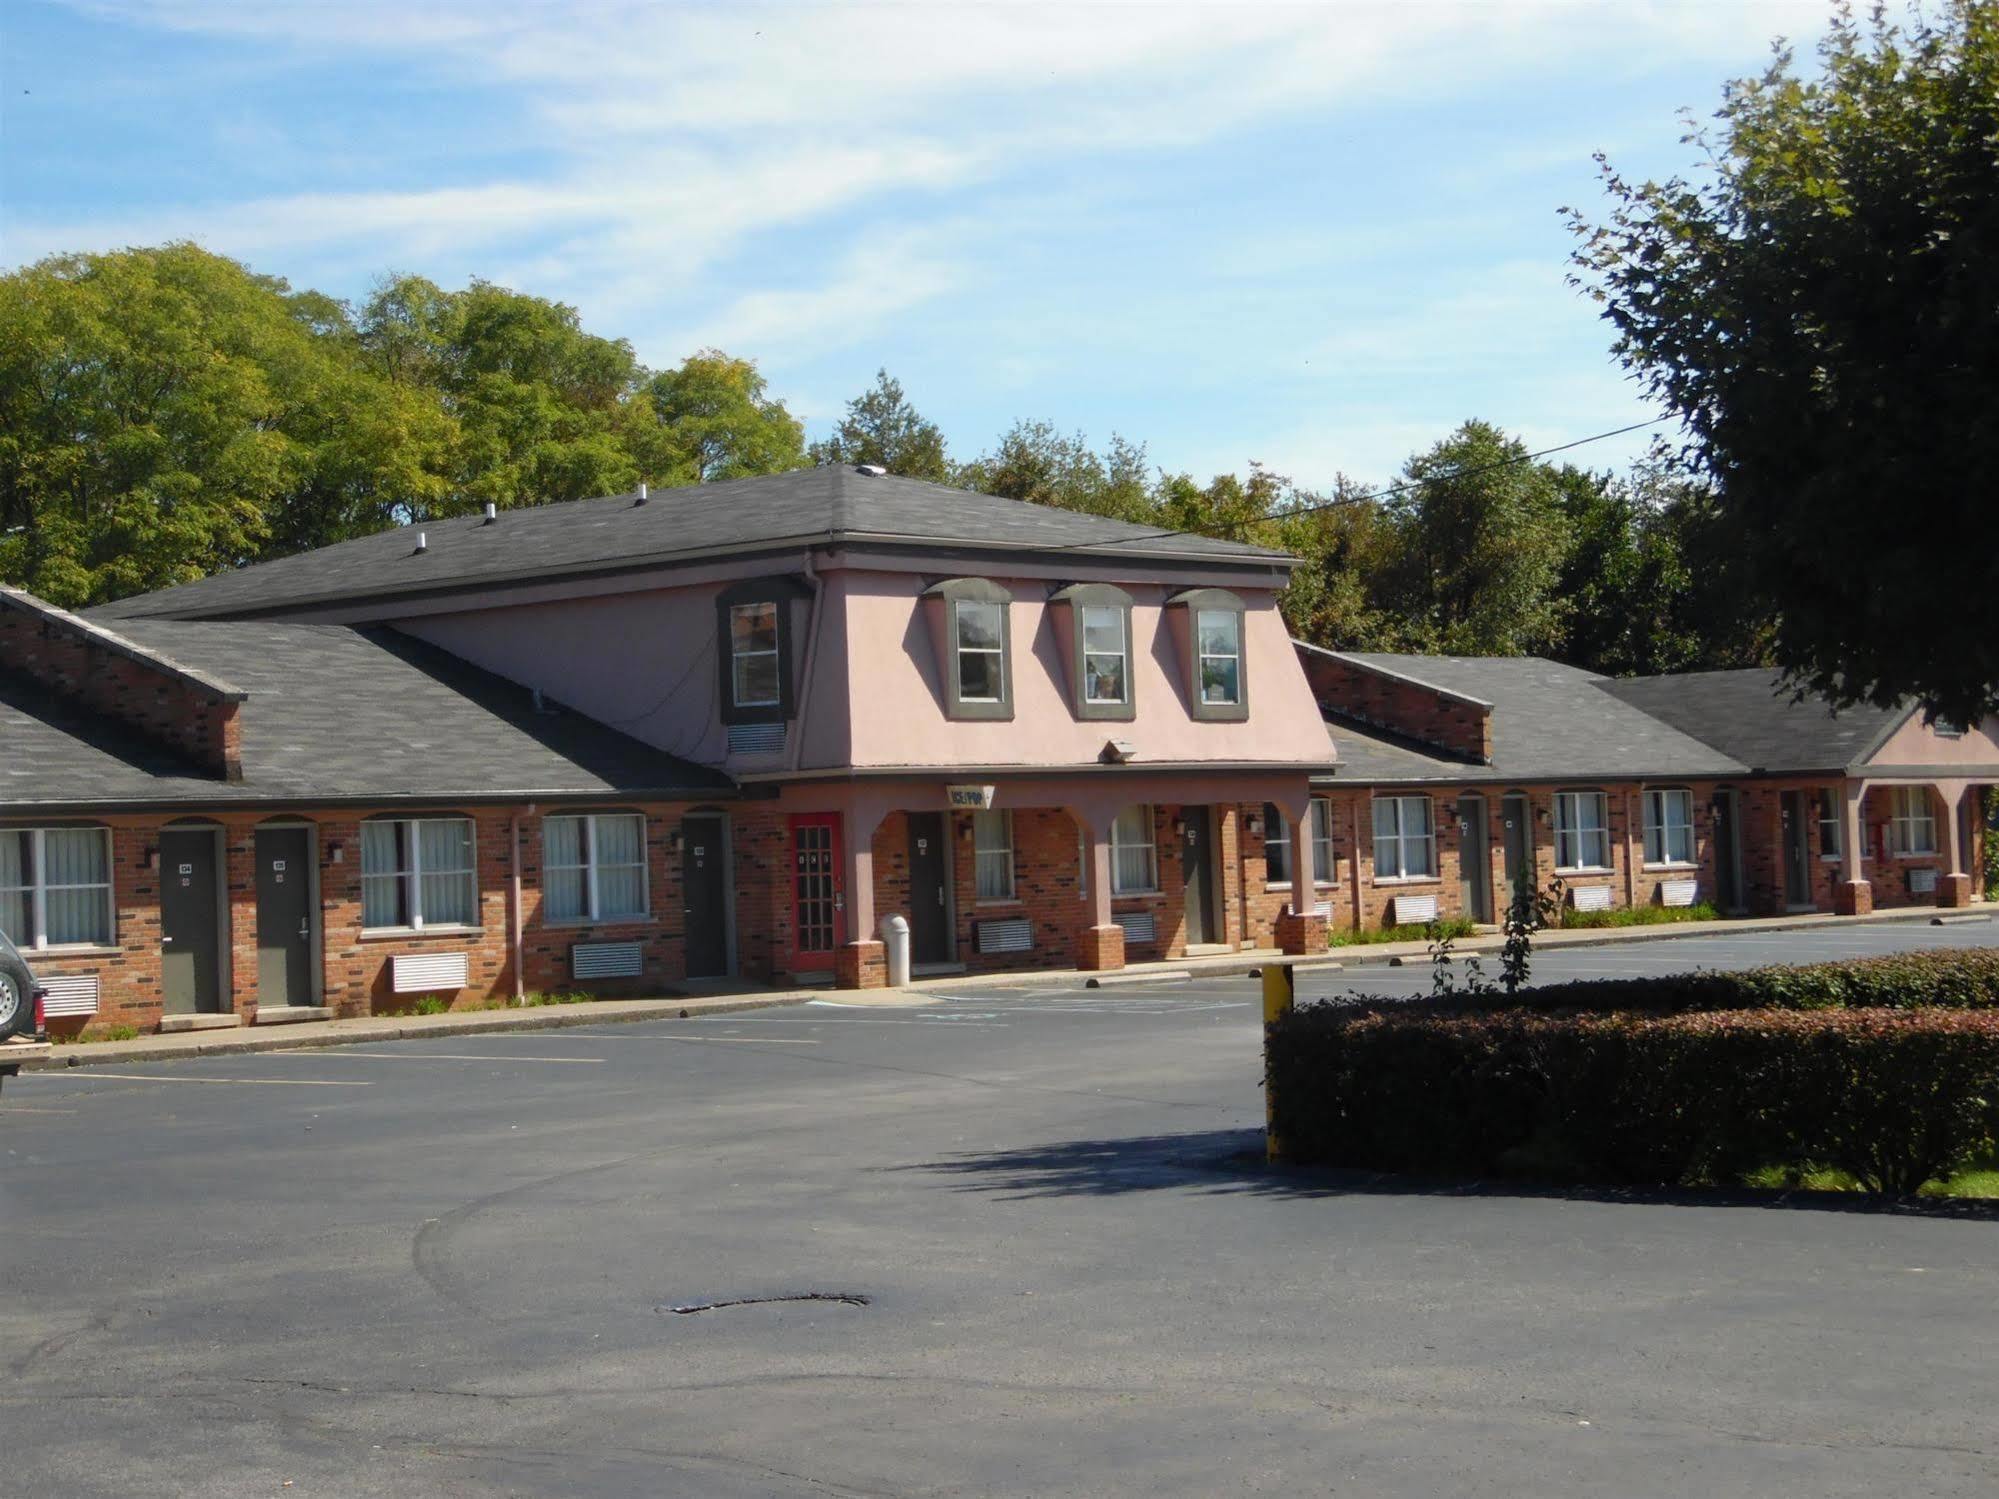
(1965, 978)
(1894, 1098)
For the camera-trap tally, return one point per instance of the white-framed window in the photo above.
(1405, 839)
(1322, 840)
(1669, 827)
(981, 643)
(594, 867)
(1106, 655)
(418, 871)
(992, 854)
(55, 887)
(1276, 846)
(1832, 824)
(1912, 824)
(753, 659)
(1134, 853)
(1582, 830)
(1218, 637)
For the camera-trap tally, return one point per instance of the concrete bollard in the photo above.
(895, 938)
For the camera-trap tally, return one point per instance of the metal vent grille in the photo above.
(1411, 909)
(756, 738)
(1139, 927)
(69, 994)
(607, 960)
(1678, 892)
(1922, 882)
(1590, 897)
(1015, 935)
(428, 972)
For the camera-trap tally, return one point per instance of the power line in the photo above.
(1406, 485)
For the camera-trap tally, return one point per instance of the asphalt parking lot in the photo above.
(539, 1263)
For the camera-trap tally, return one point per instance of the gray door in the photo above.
(1797, 853)
(1474, 859)
(1518, 831)
(929, 904)
(284, 916)
(1197, 870)
(705, 894)
(190, 929)
(1727, 853)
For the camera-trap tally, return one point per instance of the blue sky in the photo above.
(1318, 236)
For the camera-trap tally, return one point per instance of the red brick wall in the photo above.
(66, 657)
(1405, 707)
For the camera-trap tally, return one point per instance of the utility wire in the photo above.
(1404, 487)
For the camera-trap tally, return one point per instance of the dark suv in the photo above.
(20, 996)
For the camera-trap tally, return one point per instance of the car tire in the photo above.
(17, 1009)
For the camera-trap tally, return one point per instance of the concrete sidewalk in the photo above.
(1361, 955)
(408, 1028)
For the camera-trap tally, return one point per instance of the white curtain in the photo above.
(78, 880)
(621, 889)
(1134, 867)
(562, 879)
(382, 904)
(444, 848)
(16, 900)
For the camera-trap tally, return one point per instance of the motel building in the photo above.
(661, 740)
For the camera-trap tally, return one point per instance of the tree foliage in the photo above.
(882, 427)
(1822, 311)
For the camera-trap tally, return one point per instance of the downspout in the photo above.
(1353, 861)
(514, 918)
(1631, 826)
(811, 661)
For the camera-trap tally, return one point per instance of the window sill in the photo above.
(1669, 866)
(1588, 869)
(1409, 879)
(998, 903)
(584, 923)
(1117, 895)
(74, 950)
(405, 933)
(1917, 858)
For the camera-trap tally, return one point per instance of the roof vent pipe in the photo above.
(492, 512)
(644, 494)
(873, 470)
(422, 543)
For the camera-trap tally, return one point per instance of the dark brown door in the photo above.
(929, 899)
(1474, 859)
(284, 916)
(1197, 869)
(1518, 829)
(190, 933)
(1797, 855)
(815, 891)
(704, 887)
(1727, 853)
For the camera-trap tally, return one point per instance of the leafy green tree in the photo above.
(1037, 462)
(710, 419)
(882, 427)
(1479, 547)
(1822, 312)
(1331, 598)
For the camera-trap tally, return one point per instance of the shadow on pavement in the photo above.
(1231, 1160)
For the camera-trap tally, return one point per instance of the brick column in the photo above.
(1853, 896)
(1102, 945)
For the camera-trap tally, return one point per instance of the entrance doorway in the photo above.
(190, 922)
(1797, 853)
(1517, 830)
(1197, 871)
(815, 891)
(285, 928)
(929, 890)
(1727, 851)
(1474, 859)
(704, 883)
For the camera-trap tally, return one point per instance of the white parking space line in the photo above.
(423, 1056)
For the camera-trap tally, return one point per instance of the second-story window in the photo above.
(1219, 632)
(981, 650)
(1106, 655)
(753, 664)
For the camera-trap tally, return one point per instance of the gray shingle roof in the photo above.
(1750, 715)
(1549, 722)
(333, 715)
(733, 517)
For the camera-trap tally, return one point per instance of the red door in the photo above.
(815, 890)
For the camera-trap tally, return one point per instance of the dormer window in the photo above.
(971, 632)
(1095, 618)
(1219, 632)
(753, 649)
(1207, 626)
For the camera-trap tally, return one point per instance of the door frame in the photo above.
(727, 834)
(1526, 804)
(225, 975)
(1729, 848)
(1217, 918)
(1482, 885)
(316, 939)
(947, 837)
(835, 822)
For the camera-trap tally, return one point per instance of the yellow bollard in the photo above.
(1279, 990)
